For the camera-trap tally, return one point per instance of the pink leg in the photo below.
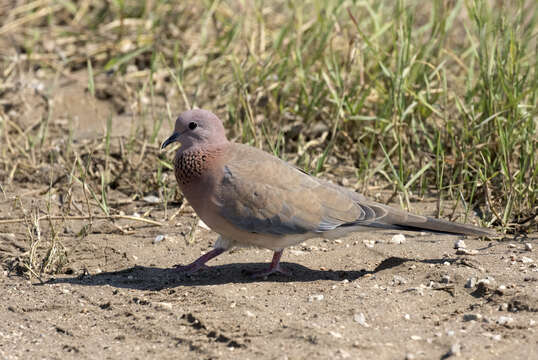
(273, 268)
(200, 262)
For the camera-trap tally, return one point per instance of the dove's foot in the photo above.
(274, 268)
(199, 263)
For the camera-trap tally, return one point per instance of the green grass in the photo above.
(425, 99)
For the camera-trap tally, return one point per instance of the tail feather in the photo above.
(403, 220)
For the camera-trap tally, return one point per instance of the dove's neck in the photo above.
(193, 164)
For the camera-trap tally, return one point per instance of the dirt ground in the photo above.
(344, 300)
(360, 297)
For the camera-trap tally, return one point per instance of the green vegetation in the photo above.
(432, 99)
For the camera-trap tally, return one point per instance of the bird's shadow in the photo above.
(154, 278)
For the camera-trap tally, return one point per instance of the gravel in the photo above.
(361, 319)
(397, 239)
(315, 297)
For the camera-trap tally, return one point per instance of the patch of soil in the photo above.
(117, 294)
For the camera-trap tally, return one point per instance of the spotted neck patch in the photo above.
(190, 165)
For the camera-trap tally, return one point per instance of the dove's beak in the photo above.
(170, 140)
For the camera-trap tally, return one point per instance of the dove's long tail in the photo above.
(391, 218)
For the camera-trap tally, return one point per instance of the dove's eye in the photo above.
(193, 125)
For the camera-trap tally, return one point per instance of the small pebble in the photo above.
(526, 260)
(528, 247)
(361, 319)
(445, 279)
(488, 280)
(335, 334)
(511, 246)
(158, 239)
(455, 350)
(471, 283)
(409, 356)
(397, 239)
(459, 244)
(504, 320)
(249, 314)
(151, 199)
(369, 243)
(407, 317)
(398, 280)
(416, 337)
(503, 307)
(316, 297)
(163, 305)
(471, 317)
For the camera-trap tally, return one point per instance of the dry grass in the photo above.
(427, 101)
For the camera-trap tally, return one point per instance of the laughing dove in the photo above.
(252, 198)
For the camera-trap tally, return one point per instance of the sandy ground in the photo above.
(361, 297)
(121, 298)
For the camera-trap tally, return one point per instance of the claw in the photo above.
(274, 268)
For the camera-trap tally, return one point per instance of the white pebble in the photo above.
(361, 319)
(504, 320)
(528, 247)
(407, 317)
(158, 239)
(511, 246)
(416, 337)
(163, 305)
(335, 334)
(368, 243)
(460, 244)
(455, 350)
(397, 239)
(503, 307)
(486, 281)
(316, 297)
(526, 260)
(151, 199)
(249, 314)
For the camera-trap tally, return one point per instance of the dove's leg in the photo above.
(274, 268)
(200, 262)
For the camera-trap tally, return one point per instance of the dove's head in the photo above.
(197, 128)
